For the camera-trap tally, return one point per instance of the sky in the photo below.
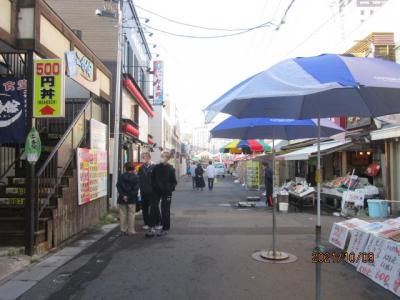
(198, 71)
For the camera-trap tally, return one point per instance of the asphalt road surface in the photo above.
(207, 255)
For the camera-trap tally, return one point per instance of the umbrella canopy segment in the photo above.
(245, 146)
(285, 129)
(328, 85)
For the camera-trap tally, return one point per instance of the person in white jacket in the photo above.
(210, 175)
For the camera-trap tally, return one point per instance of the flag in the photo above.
(12, 109)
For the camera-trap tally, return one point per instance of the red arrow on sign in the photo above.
(47, 110)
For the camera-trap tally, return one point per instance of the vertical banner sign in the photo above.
(158, 84)
(92, 174)
(12, 109)
(48, 88)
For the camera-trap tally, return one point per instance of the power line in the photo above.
(196, 26)
(285, 14)
(267, 24)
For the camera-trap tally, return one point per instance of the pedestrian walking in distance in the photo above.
(150, 203)
(210, 175)
(164, 182)
(200, 184)
(193, 174)
(268, 179)
(128, 188)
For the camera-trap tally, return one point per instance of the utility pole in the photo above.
(117, 108)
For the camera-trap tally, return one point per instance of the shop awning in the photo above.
(307, 152)
(386, 133)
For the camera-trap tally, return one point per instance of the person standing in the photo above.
(268, 179)
(210, 175)
(164, 181)
(128, 188)
(193, 174)
(200, 184)
(150, 205)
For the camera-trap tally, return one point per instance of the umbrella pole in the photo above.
(318, 266)
(273, 202)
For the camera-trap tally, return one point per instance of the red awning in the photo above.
(130, 129)
(130, 86)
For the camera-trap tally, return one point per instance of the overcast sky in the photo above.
(197, 71)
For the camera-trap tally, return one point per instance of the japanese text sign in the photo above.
(12, 109)
(48, 88)
(158, 85)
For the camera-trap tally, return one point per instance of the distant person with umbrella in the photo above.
(200, 183)
(268, 178)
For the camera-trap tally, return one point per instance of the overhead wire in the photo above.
(272, 37)
(192, 25)
(264, 25)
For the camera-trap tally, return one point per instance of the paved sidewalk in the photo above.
(25, 279)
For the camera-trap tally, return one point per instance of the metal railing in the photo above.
(49, 176)
(10, 157)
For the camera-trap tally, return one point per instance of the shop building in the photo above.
(165, 129)
(43, 204)
(96, 21)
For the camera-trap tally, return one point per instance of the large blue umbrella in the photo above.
(266, 128)
(328, 85)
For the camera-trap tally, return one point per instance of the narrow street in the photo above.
(207, 255)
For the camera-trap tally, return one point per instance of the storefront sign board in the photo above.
(48, 88)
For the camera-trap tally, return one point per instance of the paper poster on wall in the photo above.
(98, 135)
(92, 174)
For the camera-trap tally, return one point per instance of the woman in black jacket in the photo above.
(128, 188)
(200, 183)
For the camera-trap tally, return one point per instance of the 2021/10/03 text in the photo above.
(338, 257)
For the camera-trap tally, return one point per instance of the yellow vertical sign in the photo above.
(48, 88)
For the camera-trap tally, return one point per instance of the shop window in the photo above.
(136, 68)
(135, 113)
(97, 112)
(129, 61)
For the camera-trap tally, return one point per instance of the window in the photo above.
(135, 113)
(136, 68)
(128, 66)
(142, 81)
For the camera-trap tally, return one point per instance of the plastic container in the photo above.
(283, 207)
(377, 208)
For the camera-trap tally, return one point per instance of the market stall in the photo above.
(372, 248)
(301, 194)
